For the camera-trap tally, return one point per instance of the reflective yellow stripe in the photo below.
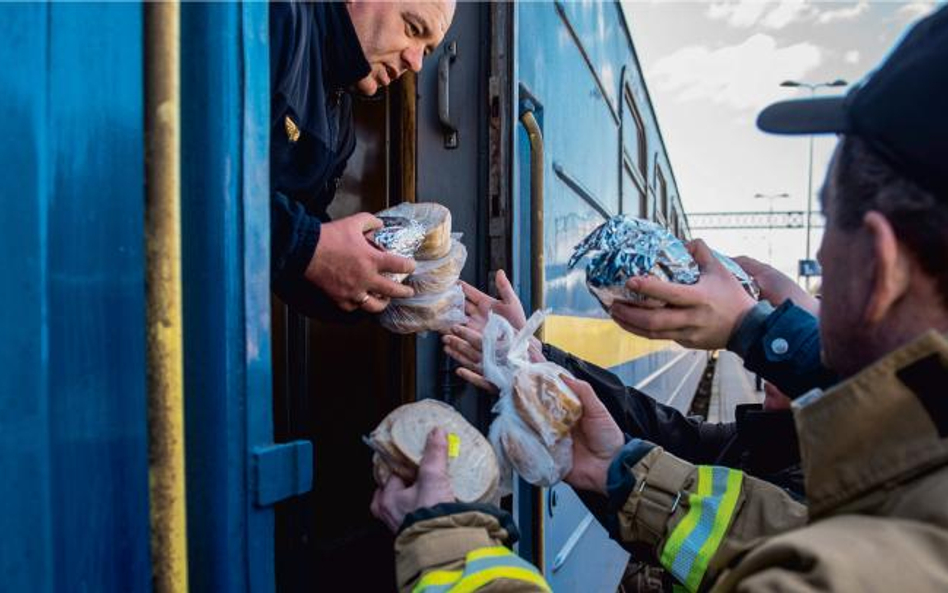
(696, 538)
(721, 522)
(483, 577)
(437, 578)
(492, 552)
(687, 525)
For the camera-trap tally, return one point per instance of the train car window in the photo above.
(633, 135)
(661, 191)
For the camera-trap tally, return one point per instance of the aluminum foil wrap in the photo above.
(624, 247)
(401, 236)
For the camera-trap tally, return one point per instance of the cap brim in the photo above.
(823, 115)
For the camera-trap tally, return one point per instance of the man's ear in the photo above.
(892, 267)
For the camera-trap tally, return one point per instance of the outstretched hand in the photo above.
(701, 315)
(597, 439)
(395, 499)
(464, 342)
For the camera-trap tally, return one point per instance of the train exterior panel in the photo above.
(603, 154)
(277, 481)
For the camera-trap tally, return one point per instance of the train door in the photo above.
(567, 183)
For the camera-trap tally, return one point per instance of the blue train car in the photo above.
(218, 448)
(584, 113)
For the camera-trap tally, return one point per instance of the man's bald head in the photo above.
(395, 36)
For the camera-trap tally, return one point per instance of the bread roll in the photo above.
(439, 275)
(427, 312)
(544, 401)
(474, 472)
(436, 220)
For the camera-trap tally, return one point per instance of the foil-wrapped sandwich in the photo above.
(401, 236)
(624, 247)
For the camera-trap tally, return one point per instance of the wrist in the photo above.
(748, 328)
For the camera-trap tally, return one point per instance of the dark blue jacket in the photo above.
(782, 345)
(315, 56)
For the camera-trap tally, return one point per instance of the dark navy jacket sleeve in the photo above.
(640, 416)
(783, 346)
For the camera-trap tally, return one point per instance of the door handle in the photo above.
(444, 94)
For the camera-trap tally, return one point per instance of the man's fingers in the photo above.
(750, 265)
(396, 264)
(368, 222)
(462, 359)
(505, 289)
(394, 485)
(468, 352)
(586, 395)
(705, 258)
(472, 337)
(374, 304)
(434, 461)
(477, 380)
(386, 288)
(652, 320)
(376, 501)
(681, 295)
(474, 295)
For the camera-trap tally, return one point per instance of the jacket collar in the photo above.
(875, 431)
(345, 61)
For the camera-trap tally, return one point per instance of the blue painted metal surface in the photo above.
(225, 219)
(74, 495)
(576, 60)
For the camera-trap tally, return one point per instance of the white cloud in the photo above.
(738, 13)
(912, 11)
(851, 57)
(750, 13)
(744, 77)
(843, 14)
(787, 12)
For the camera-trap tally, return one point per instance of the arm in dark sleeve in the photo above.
(783, 346)
(640, 416)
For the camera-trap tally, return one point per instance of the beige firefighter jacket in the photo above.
(875, 455)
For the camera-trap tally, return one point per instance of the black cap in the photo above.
(901, 109)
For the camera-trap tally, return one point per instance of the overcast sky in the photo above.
(711, 67)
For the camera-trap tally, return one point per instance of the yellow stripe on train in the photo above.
(599, 341)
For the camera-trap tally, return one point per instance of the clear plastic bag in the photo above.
(533, 441)
(427, 312)
(438, 275)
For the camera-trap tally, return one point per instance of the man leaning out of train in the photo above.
(874, 447)
(321, 53)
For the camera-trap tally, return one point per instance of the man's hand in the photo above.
(464, 342)
(348, 268)
(701, 315)
(776, 287)
(393, 501)
(597, 439)
(479, 305)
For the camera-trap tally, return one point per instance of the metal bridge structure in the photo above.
(787, 219)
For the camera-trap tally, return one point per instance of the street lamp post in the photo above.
(770, 239)
(809, 175)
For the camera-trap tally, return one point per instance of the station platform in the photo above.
(732, 385)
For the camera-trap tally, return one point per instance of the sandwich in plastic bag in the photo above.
(535, 411)
(435, 220)
(425, 312)
(439, 275)
(399, 443)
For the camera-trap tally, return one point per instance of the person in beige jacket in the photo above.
(874, 447)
